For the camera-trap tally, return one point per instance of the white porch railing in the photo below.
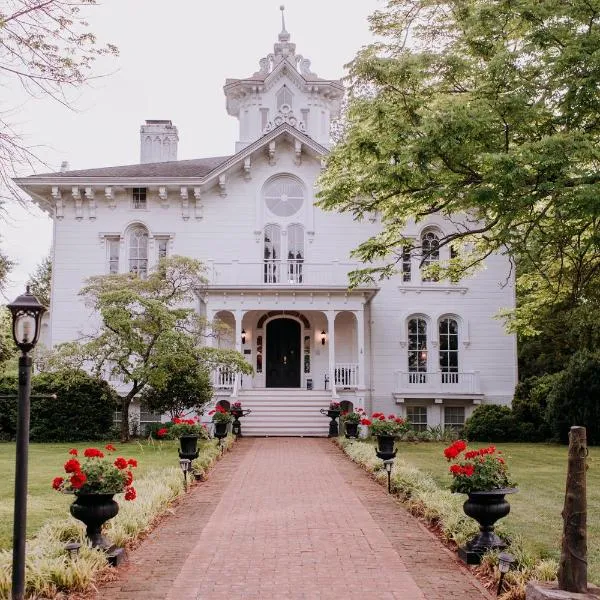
(438, 382)
(346, 375)
(279, 272)
(223, 378)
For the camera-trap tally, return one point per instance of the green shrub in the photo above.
(490, 423)
(529, 408)
(8, 407)
(575, 398)
(83, 408)
(153, 428)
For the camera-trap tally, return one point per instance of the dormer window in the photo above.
(139, 198)
(284, 98)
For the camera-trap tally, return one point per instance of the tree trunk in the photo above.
(572, 571)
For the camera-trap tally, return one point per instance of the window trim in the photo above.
(133, 198)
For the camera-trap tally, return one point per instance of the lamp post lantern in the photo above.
(27, 315)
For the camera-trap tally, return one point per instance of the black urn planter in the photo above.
(333, 426)
(188, 447)
(94, 510)
(351, 430)
(221, 430)
(236, 426)
(385, 447)
(486, 508)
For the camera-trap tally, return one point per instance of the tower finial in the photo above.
(284, 36)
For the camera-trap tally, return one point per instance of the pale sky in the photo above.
(174, 59)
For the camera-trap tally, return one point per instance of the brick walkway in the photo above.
(291, 518)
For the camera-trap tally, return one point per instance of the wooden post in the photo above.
(572, 570)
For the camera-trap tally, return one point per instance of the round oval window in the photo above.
(284, 196)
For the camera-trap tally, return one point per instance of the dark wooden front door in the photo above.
(283, 353)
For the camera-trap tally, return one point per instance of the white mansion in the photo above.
(278, 265)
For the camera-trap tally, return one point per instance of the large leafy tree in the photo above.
(484, 112)
(147, 333)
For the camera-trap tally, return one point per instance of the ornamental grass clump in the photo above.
(97, 473)
(481, 470)
(391, 425)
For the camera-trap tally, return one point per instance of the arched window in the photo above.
(448, 332)
(272, 254)
(295, 255)
(284, 196)
(417, 350)
(284, 96)
(138, 251)
(430, 249)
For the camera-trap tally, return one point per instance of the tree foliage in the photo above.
(147, 330)
(486, 114)
(46, 49)
(40, 281)
(575, 398)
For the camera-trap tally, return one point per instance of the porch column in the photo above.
(239, 315)
(331, 342)
(360, 338)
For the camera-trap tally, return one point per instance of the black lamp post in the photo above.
(26, 316)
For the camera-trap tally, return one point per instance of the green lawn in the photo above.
(540, 473)
(46, 462)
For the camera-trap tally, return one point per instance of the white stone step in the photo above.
(284, 412)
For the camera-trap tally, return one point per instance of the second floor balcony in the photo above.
(290, 272)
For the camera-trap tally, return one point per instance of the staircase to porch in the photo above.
(285, 412)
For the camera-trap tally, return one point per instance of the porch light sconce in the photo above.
(323, 337)
(243, 336)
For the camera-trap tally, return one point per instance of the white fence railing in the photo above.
(438, 382)
(223, 378)
(279, 272)
(346, 375)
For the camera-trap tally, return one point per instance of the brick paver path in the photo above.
(291, 518)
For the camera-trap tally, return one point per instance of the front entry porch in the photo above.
(306, 348)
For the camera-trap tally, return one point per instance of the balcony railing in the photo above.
(346, 375)
(437, 382)
(223, 379)
(279, 272)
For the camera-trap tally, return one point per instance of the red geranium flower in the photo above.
(57, 482)
(110, 448)
(78, 479)
(460, 445)
(93, 453)
(120, 463)
(211, 413)
(132, 462)
(162, 432)
(366, 422)
(129, 479)
(72, 466)
(450, 452)
(73, 451)
(130, 494)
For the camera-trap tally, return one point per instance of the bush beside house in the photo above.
(82, 410)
